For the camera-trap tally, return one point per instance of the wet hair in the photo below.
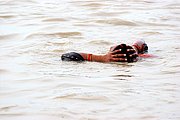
(145, 48)
(72, 56)
(124, 48)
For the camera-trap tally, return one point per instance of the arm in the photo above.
(115, 54)
(111, 56)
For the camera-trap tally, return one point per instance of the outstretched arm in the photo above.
(119, 53)
(111, 56)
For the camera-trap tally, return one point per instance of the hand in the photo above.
(115, 56)
(121, 53)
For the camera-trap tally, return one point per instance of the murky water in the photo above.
(36, 84)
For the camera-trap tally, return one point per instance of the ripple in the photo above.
(121, 77)
(6, 108)
(90, 3)
(93, 5)
(108, 13)
(8, 36)
(116, 22)
(83, 96)
(58, 51)
(156, 24)
(152, 33)
(65, 34)
(58, 34)
(50, 43)
(102, 42)
(54, 20)
(7, 16)
(172, 6)
(148, 117)
(2, 71)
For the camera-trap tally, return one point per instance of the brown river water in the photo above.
(36, 85)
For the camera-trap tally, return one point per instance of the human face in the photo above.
(141, 46)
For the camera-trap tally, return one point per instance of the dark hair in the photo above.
(124, 48)
(145, 48)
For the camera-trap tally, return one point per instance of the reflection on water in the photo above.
(36, 84)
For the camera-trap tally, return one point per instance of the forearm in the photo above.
(92, 57)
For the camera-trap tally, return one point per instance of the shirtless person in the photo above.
(119, 53)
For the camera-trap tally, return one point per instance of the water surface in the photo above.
(36, 84)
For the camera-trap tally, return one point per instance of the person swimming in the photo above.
(118, 53)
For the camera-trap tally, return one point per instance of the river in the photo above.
(36, 85)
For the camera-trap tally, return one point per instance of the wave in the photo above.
(54, 20)
(152, 33)
(7, 16)
(101, 42)
(93, 5)
(8, 36)
(116, 22)
(58, 34)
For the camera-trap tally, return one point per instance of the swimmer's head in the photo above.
(141, 46)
